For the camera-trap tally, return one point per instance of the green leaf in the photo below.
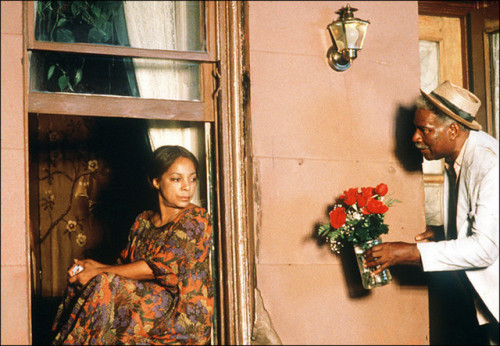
(64, 35)
(323, 229)
(51, 71)
(61, 22)
(96, 36)
(63, 82)
(108, 29)
(76, 7)
(78, 76)
(96, 10)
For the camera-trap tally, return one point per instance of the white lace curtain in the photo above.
(162, 25)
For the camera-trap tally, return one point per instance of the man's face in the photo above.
(431, 136)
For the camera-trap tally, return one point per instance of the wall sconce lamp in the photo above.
(348, 34)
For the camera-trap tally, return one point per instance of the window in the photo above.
(86, 53)
(101, 79)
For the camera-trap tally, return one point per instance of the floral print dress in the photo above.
(174, 308)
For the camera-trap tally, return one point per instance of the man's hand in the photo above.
(429, 234)
(391, 253)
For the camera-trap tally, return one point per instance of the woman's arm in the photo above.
(137, 270)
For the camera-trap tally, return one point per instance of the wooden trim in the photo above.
(29, 10)
(89, 48)
(237, 262)
(116, 106)
(30, 211)
(445, 8)
(208, 89)
(487, 77)
(210, 25)
(491, 25)
(465, 56)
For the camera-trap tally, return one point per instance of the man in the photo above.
(446, 128)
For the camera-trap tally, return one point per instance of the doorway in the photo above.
(453, 39)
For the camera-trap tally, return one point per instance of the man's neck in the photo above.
(459, 144)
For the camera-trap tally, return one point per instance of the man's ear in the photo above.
(453, 130)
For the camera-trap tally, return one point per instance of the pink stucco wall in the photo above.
(315, 133)
(14, 266)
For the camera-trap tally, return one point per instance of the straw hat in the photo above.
(459, 103)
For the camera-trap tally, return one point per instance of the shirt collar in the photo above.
(457, 165)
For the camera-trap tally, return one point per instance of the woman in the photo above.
(160, 290)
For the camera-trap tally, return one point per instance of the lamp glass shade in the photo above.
(338, 34)
(355, 33)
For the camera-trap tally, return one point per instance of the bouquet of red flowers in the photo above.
(358, 218)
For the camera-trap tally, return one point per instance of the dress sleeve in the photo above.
(182, 265)
(124, 255)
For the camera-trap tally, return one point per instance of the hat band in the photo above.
(462, 114)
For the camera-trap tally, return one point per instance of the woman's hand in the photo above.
(90, 267)
(138, 270)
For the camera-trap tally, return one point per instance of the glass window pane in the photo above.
(429, 65)
(429, 80)
(168, 25)
(110, 75)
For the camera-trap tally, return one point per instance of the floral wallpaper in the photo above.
(91, 184)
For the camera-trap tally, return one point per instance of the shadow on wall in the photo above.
(405, 151)
(348, 258)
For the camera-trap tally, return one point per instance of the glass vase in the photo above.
(368, 280)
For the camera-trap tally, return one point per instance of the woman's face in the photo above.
(177, 185)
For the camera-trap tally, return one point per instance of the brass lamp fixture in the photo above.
(348, 34)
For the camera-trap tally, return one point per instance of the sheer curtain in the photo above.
(162, 25)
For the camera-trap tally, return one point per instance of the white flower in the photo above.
(93, 165)
(81, 239)
(50, 195)
(53, 136)
(55, 155)
(71, 226)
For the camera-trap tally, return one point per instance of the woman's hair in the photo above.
(423, 103)
(164, 157)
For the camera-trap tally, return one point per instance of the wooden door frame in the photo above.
(472, 16)
(236, 250)
(234, 177)
(459, 9)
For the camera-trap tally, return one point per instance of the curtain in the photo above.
(162, 25)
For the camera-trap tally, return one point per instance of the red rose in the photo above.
(338, 217)
(349, 196)
(367, 192)
(375, 206)
(381, 189)
(361, 200)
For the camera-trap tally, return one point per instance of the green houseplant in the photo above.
(72, 22)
